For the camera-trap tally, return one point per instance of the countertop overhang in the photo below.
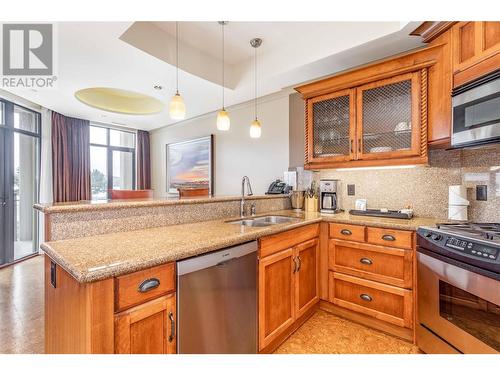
(100, 205)
(94, 258)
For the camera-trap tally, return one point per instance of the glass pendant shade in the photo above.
(223, 121)
(177, 108)
(255, 129)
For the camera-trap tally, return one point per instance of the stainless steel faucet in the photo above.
(249, 193)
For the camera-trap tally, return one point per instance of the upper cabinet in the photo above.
(476, 47)
(377, 123)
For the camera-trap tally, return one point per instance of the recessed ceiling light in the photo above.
(119, 101)
(158, 87)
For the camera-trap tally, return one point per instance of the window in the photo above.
(112, 160)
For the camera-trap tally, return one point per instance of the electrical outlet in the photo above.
(481, 192)
(351, 189)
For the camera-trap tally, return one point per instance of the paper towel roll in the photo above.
(457, 213)
(457, 203)
(457, 195)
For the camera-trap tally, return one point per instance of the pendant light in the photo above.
(223, 121)
(177, 108)
(255, 127)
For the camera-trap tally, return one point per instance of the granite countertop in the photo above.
(98, 205)
(94, 258)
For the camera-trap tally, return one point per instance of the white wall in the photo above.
(236, 154)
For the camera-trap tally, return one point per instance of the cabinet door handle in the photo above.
(300, 264)
(366, 261)
(346, 232)
(148, 285)
(365, 297)
(359, 145)
(352, 146)
(172, 326)
(296, 265)
(388, 237)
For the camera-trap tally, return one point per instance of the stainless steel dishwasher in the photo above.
(217, 302)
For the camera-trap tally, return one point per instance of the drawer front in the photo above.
(347, 232)
(384, 302)
(272, 244)
(390, 237)
(377, 263)
(138, 287)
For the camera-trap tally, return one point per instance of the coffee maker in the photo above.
(329, 196)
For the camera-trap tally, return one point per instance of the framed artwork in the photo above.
(190, 164)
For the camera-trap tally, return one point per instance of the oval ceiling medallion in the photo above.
(119, 101)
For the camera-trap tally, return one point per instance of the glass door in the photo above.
(19, 171)
(331, 127)
(389, 117)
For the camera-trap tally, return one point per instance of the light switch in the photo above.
(481, 192)
(351, 189)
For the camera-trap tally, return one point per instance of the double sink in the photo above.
(263, 221)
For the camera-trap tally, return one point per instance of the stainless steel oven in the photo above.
(458, 309)
(476, 112)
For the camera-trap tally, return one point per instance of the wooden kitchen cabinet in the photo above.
(473, 42)
(306, 279)
(371, 273)
(381, 122)
(475, 46)
(288, 282)
(132, 313)
(149, 328)
(276, 295)
(332, 133)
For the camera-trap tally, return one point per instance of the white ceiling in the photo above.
(137, 56)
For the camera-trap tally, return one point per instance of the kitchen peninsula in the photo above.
(99, 255)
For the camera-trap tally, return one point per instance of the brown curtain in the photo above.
(70, 158)
(143, 161)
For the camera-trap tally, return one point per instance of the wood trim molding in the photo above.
(423, 112)
(378, 70)
(308, 127)
(367, 321)
(430, 30)
(369, 163)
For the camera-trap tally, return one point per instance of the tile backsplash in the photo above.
(426, 188)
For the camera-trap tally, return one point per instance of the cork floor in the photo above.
(21, 307)
(22, 326)
(325, 333)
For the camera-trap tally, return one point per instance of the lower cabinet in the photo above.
(371, 272)
(148, 328)
(385, 302)
(288, 288)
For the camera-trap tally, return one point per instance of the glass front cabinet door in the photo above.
(388, 117)
(383, 122)
(331, 130)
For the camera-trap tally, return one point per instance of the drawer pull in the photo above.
(365, 297)
(366, 261)
(172, 326)
(346, 232)
(388, 237)
(148, 285)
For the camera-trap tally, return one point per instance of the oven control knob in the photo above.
(436, 237)
(428, 234)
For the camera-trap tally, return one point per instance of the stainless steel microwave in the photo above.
(476, 112)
